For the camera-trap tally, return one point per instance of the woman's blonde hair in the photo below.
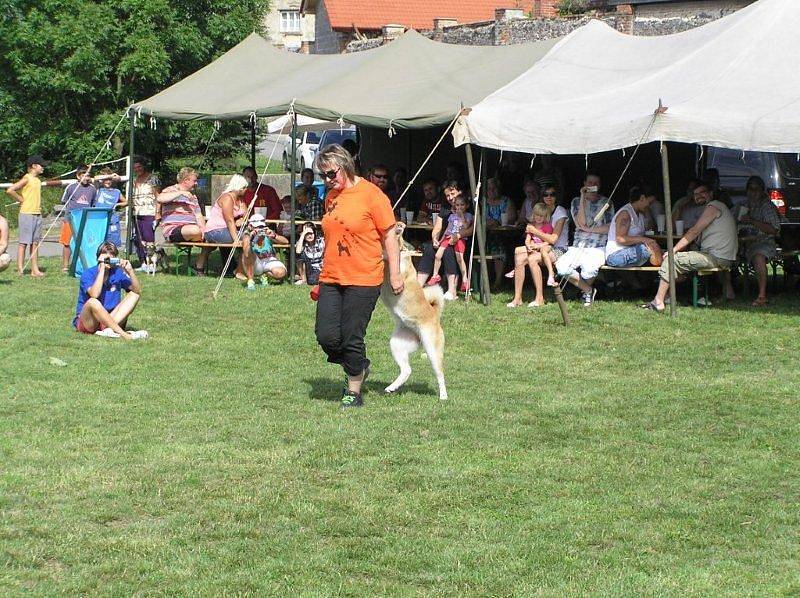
(237, 183)
(185, 172)
(541, 209)
(335, 155)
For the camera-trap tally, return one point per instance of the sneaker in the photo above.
(107, 332)
(251, 285)
(351, 399)
(434, 280)
(588, 298)
(264, 281)
(449, 297)
(139, 334)
(703, 303)
(299, 282)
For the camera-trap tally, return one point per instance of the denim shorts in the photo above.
(629, 257)
(221, 235)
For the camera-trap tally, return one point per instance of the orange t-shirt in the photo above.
(354, 222)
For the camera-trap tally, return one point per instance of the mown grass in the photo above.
(626, 454)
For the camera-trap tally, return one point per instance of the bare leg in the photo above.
(760, 265)
(93, 313)
(547, 258)
(437, 263)
(462, 265)
(278, 272)
(21, 259)
(520, 261)
(535, 265)
(192, 233)
(661, 294)
(727, 286)
(583, 285)
(65, 253)
(125, 308)
(499, 271)
(35, 260)
(451, 285)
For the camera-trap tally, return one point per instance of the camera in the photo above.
(111, 261)
(592, 189)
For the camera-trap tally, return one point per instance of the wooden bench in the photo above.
(695, 277)
(186, 248)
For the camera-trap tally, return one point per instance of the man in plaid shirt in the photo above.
(582, 261)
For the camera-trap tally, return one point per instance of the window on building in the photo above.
(290, 21)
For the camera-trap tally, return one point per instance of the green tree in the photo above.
(69, 68)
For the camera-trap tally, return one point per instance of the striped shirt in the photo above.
(178, 213)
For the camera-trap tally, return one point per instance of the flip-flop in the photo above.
(759, 302)
(652, 307)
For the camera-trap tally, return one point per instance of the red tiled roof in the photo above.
(415, 14)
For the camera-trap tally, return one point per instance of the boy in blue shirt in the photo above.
(112, 199)
(101, 309)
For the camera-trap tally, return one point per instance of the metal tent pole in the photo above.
(129, 188)
(292, 231)
(673, 309)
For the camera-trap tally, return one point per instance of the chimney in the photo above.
(507, 14)
(440, 23)
(391, 32)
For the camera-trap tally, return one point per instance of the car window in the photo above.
(734, 163)
(334, 136)
(789, 165)
(312, 137)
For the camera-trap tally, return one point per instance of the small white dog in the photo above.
(417, 315)
(155, 258)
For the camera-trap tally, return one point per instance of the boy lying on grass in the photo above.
(101, 309)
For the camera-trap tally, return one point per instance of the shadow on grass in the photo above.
(330, 389)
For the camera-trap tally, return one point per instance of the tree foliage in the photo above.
(69, 68)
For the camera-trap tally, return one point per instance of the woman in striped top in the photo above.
(181, 217)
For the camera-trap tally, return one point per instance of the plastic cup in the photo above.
(409, 217)
(661, 222)
(679, 228)
(403, 214)
(504, 219)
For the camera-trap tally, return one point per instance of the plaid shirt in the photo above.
(584, 239)
(766, 212)
(313, 210)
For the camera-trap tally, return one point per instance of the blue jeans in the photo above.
(634, 255)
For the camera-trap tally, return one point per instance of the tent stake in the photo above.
(480, 223)
(673, 309)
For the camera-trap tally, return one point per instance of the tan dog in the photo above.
(417, 315)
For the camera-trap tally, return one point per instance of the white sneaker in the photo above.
(107, 332)
(703, 303)
(139, 334)
(299, 282)
(449, 297)
(588, 298)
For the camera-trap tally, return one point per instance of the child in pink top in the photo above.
(540, 220)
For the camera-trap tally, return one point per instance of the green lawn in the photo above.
(627, 454)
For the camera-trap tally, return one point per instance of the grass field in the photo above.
(626, 454)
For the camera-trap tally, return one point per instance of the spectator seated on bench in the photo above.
(717, 235)
(626, 245)
(181, 217)
(226, 213)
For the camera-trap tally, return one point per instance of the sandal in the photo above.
(652, 307)
(759, 302)
(534, 304)
(196, 272)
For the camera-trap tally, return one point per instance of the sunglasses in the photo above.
(329, 174)
(548, 194)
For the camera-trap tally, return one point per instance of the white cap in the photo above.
(257, 221)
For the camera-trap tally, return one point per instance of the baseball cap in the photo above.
(257, 221)
(37, 159)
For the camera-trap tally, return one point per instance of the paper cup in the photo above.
(409, 217)
(679, 228)
(504, 219)
(402, 214)
(661, 221)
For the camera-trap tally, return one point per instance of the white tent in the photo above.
(732, 83)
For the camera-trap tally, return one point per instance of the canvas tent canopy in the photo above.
(412, 82)
(731, 83)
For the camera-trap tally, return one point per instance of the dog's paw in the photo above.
(390, 389)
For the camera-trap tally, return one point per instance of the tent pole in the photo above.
(479, 227)
(253, 144)
(670, 240)
(292, 231)
(129, 189)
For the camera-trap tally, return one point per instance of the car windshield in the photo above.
(312, 137)
(789, 165)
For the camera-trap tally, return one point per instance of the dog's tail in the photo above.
(435, 296)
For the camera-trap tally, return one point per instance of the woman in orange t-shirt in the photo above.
(359, 226)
